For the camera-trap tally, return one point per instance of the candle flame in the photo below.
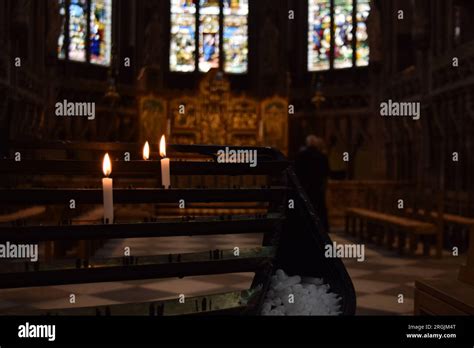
(106, 165)
(146, 151)
(163, 146)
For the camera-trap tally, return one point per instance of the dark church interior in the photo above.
(236, 157)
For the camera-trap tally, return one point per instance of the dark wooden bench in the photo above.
(466, 272)
(435, 209)
(358, 222)
(449, 296)
(383, 222)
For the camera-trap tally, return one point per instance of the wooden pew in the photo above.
(449, 296)
(427, 205)
(430, 211)
(386, 221)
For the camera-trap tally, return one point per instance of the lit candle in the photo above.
(107, 191)
(165, 165)
(146, 151)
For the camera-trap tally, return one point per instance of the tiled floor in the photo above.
(385, 275)
(378, 281)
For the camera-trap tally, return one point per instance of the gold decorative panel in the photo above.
(275, 123)
(185, 121)
(214, 115)
(153, 116)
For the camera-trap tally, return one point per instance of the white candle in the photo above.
(165, 165)
(107, 191)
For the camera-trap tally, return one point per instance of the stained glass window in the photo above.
(61, 39)
(77, 30)
(100, 31)
(183, 42)
(362, 42)
(235, 36)
(334, 34)
(198, 40)
(342, 33)
(86, 34)
(208, 35)
(319, 34)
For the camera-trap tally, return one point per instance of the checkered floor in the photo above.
(378, 280)
(384, 275)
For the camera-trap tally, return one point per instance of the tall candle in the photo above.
(165, 165)
(107, 191)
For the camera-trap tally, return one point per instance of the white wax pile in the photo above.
(310, 297)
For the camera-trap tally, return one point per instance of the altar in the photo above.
(215, 115)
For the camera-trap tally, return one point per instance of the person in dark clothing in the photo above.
(312, 169)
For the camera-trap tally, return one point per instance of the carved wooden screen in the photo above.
(153, 117)
(243, 122)
(275, 123)
(185, 121)
(214, 115)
